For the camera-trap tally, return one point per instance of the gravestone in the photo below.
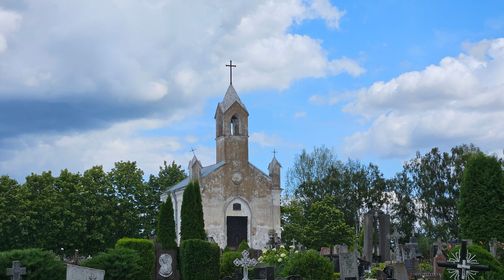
(348, 266)
(75, 272)
(400, 272)
(340, 248)
(380, 222)
(439, 257)
(264, 273)
(325, 251)
(166, 264)
(397, 247)
(16, 271)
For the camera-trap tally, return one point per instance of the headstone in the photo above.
(75, 272)
(384, 238)
(400, 272)
(16, 271)
(166, 264)
(340, 248)
(264, 273)
(411, 266)
(493, 247)
(367, 250)
(397, 247)
(325, 251)
(349, 266)
(294, 277)
(439, 257)
(246, 263)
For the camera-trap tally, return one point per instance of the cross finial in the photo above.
(274, 152)
(230, 65)
(193, 150)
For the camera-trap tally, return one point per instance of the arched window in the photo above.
(236, 207)
(234, 126)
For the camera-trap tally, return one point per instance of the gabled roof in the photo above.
(205, 171)
(229, 99)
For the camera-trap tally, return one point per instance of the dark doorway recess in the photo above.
(236, 231)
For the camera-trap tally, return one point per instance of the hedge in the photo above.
(145, 249)
(166, 226)
(40, 264)
(310, 265)
(227, 267)
(119, 264)
(199, 260)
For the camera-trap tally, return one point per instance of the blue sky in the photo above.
(91, 82)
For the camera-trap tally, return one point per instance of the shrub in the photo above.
(192, 225)
(119, 264)
(40, 264)
(309, 265)
(243, 246)
(199, 260)
(166, 226)
(227, 266)
(144, 249)
(483, 257)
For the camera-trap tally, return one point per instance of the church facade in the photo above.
(240, 202)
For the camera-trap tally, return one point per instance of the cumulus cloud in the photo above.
(457, 101)
(73, 72)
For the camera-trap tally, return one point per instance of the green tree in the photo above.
(9, 212)
(404, 209)
(436, 177)
(481, 205)
(168, 176)
(192, 225)
(166, 226)
(322, 224)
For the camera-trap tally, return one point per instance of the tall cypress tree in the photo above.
(192, 224)
(481, 208)
(166, 226)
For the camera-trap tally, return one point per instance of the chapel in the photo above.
(240, 202)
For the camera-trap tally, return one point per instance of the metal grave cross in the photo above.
(395, 237)
(462, 265)
(230, 65)
(245, 262)
(16, 271)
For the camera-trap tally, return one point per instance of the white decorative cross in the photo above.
(16, 271)
(245, 262)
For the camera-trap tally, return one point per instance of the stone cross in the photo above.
(16, 271)
(230, 65)
(463, 266)
(245, 262)
(293, 246)
(395, 236)
(493, 247)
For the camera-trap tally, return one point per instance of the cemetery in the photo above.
(227, 221)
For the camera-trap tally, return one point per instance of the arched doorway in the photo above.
(238, 217)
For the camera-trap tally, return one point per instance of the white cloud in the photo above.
(9, 22)
(458, 101)
(300, 114)
(265, 140)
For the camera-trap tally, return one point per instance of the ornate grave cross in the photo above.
(230, 65)
(16, 271)
(245, 262)
(463, 265)
(395, 237)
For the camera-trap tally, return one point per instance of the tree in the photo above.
(481, 207)
(436, 178)
(9, 212)
(322, 224)
(168, 176)
(403, 208)
(166, 226)
(192, 225)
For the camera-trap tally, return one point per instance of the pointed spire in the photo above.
(230, 98)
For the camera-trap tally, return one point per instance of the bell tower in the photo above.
(231, 126)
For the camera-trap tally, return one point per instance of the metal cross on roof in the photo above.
(463, 265)
(230, 65)
(245, 262)
(193, 150)
(274, 152)
(16, 271)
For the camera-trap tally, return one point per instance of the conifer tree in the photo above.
(481, 208)
(166, 226)
(192, 225)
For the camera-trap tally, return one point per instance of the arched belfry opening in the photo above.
(234, 125)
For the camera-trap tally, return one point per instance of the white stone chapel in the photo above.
(240, 202)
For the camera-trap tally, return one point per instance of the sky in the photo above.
(92, 82)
